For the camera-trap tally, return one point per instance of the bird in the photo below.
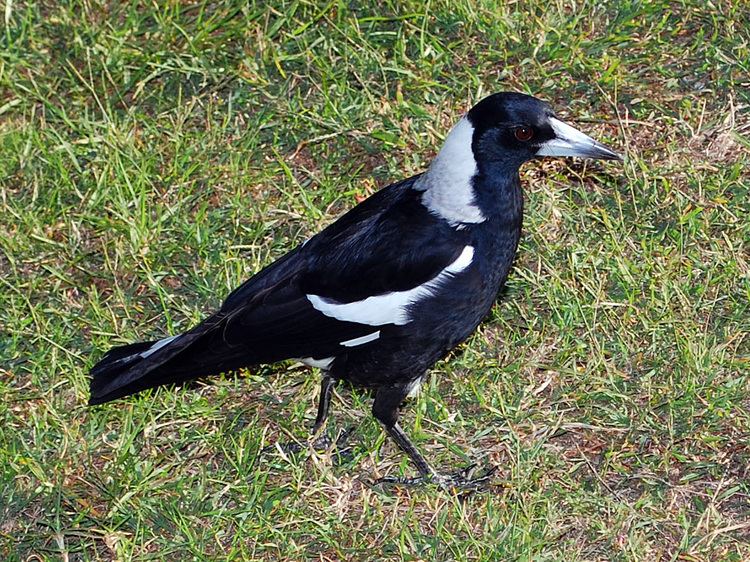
(381, 294)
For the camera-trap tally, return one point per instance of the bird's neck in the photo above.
(447, 183)
(464, 192)
(497, 192)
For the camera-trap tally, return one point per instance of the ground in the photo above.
(154, 155)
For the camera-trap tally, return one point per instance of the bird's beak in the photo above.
(569, 141)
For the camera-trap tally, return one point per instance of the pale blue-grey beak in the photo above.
(569, 141)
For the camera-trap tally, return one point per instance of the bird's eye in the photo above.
(523, 133)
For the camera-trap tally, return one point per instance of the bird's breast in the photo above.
(455, 310)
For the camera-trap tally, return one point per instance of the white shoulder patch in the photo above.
(448, 192)
(389, 308)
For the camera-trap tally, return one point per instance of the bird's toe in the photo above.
(323, 444)
(459, 481)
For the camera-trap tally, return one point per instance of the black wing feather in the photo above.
(390, 242)
(376, 248)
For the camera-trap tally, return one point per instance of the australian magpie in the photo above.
(388, 289)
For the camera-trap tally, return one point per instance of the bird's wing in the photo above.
(341, 232)
(346, 284)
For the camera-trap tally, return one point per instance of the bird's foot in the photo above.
(322, 444)
(462, 480)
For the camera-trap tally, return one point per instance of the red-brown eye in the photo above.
(523, 133)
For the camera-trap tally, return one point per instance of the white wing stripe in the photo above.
(360, 341)
(390, 308)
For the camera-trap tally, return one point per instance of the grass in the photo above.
(154, 155)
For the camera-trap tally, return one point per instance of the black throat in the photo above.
(497, 192)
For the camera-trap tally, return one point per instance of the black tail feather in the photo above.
(104, 391)
(117, 354)
(115, 362)
(128, 369)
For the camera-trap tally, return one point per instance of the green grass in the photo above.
(154, 155)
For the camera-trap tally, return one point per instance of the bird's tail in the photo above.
(129, 369)
(132, 368)
(200, 352)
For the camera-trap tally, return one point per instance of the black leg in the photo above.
(322, 443)
(398, 435)
(385, 410)
(326, 387)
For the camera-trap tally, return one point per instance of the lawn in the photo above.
(153, 155)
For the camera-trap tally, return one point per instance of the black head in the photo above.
(512, 128)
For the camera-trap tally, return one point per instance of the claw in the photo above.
(460, 480)
(322, 444)
(344, 453)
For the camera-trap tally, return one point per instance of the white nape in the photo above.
(390, 308)
(362, 340)
(447, 183)
(157, 346)
(317, 363)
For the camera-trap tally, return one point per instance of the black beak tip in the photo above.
(602, 152)
(616, 157)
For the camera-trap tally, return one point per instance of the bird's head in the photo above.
(486, 148)
(514, 128)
